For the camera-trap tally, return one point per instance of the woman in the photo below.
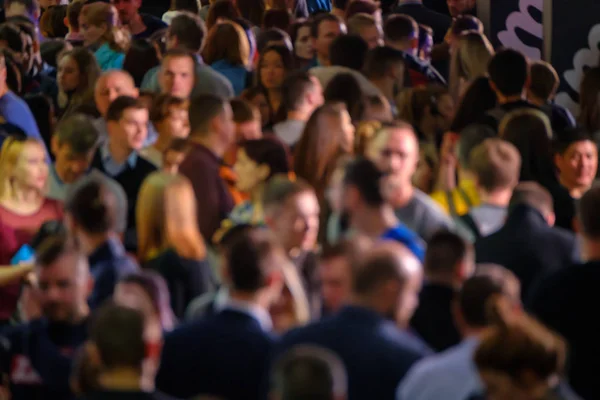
(140, 58)
(345, 88)
(469, 60)
(273, 66)
(168, 238)
(227, 51)
(257, 97)
(304, 52)
(219, 11)
(478, 99)
(78, 71)
(100, 27)
(169, 115)
(589, 115)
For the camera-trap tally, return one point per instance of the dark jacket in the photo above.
(440, 23)
(123, 395)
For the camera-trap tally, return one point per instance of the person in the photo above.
(226, 355)
(176, 75)
(309, 372)
(274, 64)
(395, 150)
(556, 298)
(496, 165)
(273, 37)
(356, 7)
(35, 356)
(452, 374)
(221, 10)
(302, 43)
(118, 157)
(52, 24)
(211, 133)
(140, 58)
(425, 43)
(471, 55)
(385, 68)
(140, 26)
(370, 213)
(187, 33)
(325, 28)
(168, 238)
(478, 99)
(460, 7)
(449, 262)
(27, 8)
(367, 28)
(589, 88)
(439, 22)
(77, 74)
(386, 352)
(540, 251)
(74, 35)
(248, 126)
(302, 94)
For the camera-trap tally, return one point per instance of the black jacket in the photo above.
(440, 23)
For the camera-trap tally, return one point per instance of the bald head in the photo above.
(110, 85)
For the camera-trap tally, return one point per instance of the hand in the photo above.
(448, 150)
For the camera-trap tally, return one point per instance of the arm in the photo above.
(9, 274)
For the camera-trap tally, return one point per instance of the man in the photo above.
(440, 23)
(73, 145)
(309, 372)
(527, 244)
(376, 353)
(176, 75)
(36, 356)
(118, 157)
(211, 133)
(365, 26)
(401, 32)
(449, 261)
(496, 165)
(370, 213)
(384, 67)
(460, 7)
(559, 299)
(395, 150)
(226, 354)
(141, 26)
(542, 91)
(324, 29)
(301, 95)
(248, 124)
(187, 33)
(452, 375)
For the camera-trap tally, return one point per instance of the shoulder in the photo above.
(144, 165)
(14, 103)
(54, 206)
(431, 208)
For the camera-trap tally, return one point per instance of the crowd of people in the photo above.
(293, 200)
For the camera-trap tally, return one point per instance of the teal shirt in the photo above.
(108, 58)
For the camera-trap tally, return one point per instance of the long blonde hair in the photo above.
(469, 60)
(11, 151)
(166, 218)
(98, 14)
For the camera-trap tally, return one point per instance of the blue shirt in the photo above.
(315, 6)
(236, 74)
(113, 168)
(408, 238)
(15, 111)
(109, 58)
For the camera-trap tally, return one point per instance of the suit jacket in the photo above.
(440, 23)
(528, 247)
(224, 355)
(375, 352)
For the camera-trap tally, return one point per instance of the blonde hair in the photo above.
(166, 217)
(98, 14)
(469, 60)
(11, 151)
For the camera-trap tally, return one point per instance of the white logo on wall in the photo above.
(584, 58)
(522, 19)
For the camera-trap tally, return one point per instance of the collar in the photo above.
(258, 313)
(107, 157)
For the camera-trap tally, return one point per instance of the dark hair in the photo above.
(49, 229)
(11, 34)
(295, 28)
(316, 23)
(14, 74)
(190, 31)
(185, 5)
(243, 111)
(588, 213)
(364, 175)
(445, 250)
(280, 189)
(379, 266)
(496, 163)
(360, 7)
(140, 58)
(295, 86)
(252, 10)
(348, 51)
(52, 23)
(534, 195)
(122, 103)
(341, 4)
(565, 138)
(50, 49)
(544, 80)
(225, 9)
(589, 92)
(275, 18)
(273, 35)
(509, 71)
(226, 41)
(52, 248)
(285, 54)
(203, 109)
(73, 10)
(345, 88)
(159, 40)
(471, 137)
(400, 27)
(424, 32)
(159, 110)
(270, 152)
(78, 132)
(42, 108)
(478, 99)
(465, 23)
(379, 61)
(118, 333)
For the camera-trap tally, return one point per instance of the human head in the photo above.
(221, 10)
(257, 97)
(128, 10)
(227, 41)
(345, 88)
(110, 85)
(127, 123)
(292, 212)
(478, 99)
(309, 372)
(470, 57)
(496, 165)
(170, 116)
(362, 188)
(302, 92)
(588, 220)
(211, 118)
(325, 28)
(509, 73)
(301, 40)
(365, 26)
(348, 51)
(273, 65)
(258, 161)
(385, 63)
(22, 165)
(30, 42)
(535, 196)
(177, 75)
(98, 22)
(140, 58)
(26, 8)
(64, 281)
(449, 259)
(276, 18)
(52, 23)
(78, 72)
(576, 159)
(431, 108)
(186, 32)
(247, 119)
(73, 10)
(273, 37)
(401, 32)
(589, 115)
(252, 10)
(11, 38)
(458, 7)
(73, 144)
(425, 42)
(388, 280)
(544, 82)
(367, 7)
(471, 137)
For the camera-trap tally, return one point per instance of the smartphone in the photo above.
(24, 254)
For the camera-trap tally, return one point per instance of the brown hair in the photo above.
(221, 9)
(544, 80)
(227, 41)
(99, 14)
(162, 104)
(496, 163)
(89, 72)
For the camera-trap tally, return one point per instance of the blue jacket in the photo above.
(108, 58)
(236, 74)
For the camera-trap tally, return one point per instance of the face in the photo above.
(176, 124)
(272, 71)
(31, 169)
(336, 282)
(91, 33)
(249, 174)
(316, 97)
(447, 110)
(248, 130)
(426, 49)
(70, 165)
(111, 86)
(372, 35)
(128, 9)
(579, 164)
(328, 31)
(68, 74)
(458, 7)
(28, 52)
(131, 130)
(63, 288)
(304, 46)
(297, 222)
(177, 76)
(347, 140)
(396, 152)
(262, 104)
